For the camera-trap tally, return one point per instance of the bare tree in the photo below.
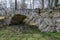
(48, 3)
(33, 4)
(56, 3)
(23, 5)
(12, 5)
(42, 4)
(3, 7)
(30, 4)
(15, 4)
(51, 4)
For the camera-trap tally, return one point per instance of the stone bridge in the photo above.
(47, 21)
(27, 12)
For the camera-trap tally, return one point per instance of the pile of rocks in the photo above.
(48, 21)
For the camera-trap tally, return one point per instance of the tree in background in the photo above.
(48, 3)
(51, 4)
(12, 5)
(3, 4)
(23, 5)
(15, 4)
(56, 3)
(42, 4)
(3, 7)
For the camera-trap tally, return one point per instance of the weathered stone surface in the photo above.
(48, 21)
(51, 20)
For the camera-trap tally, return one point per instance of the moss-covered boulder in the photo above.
(17, 19)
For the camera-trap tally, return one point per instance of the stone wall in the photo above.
(48, 22)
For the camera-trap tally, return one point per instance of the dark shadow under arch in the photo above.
(17, 19)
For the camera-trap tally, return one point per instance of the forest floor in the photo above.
(15, 33)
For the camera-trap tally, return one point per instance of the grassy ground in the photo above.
(10, 33)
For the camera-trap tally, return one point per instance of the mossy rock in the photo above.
(17, 19)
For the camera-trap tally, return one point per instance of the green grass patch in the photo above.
(11, 33)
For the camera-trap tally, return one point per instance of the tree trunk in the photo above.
(15, 4)
(51, 4)
(42, 4)
(33, 4)
(48, 4)
(56, 3)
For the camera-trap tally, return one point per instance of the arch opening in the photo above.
(17, 19)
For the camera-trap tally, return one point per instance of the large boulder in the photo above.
(17, 19)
